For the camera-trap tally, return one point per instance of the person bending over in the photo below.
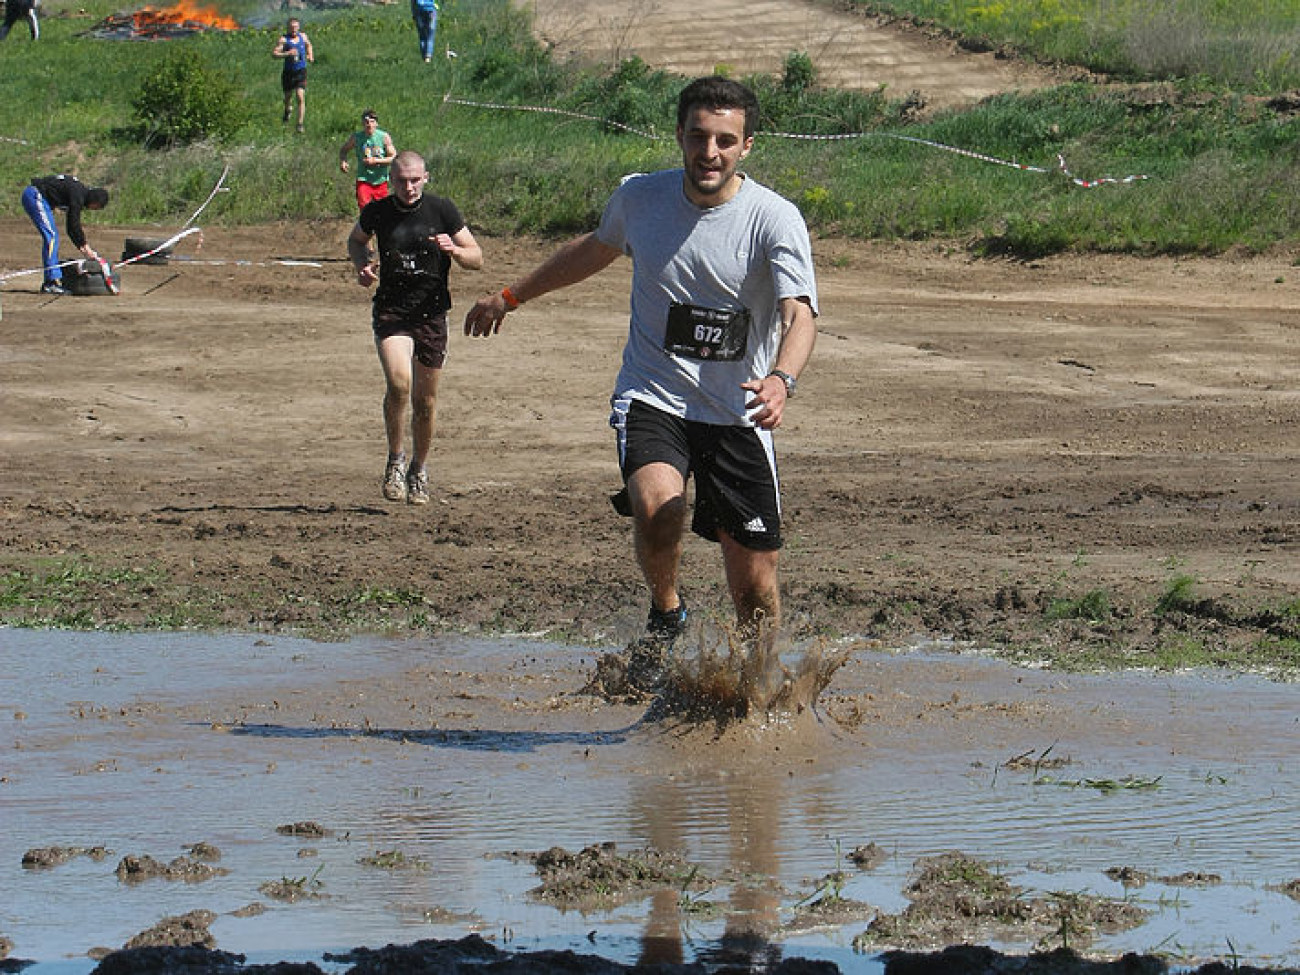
(40, 199)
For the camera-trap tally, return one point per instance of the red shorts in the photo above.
(368, 192)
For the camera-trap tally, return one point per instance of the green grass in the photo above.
(515, 171)
(67, 594)
(1094, 607)
(1249, 44)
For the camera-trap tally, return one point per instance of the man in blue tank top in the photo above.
(295, 51)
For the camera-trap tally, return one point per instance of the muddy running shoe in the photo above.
(666, 625)
(53, 288)
(417, 487)
(395, 479)
(647, 669)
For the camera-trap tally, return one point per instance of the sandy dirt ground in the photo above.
(849, 49)
(972, 440)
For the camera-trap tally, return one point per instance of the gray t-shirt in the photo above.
(725, 268)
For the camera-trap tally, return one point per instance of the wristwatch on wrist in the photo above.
(786, 378)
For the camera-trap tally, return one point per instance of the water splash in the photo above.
(735, 674)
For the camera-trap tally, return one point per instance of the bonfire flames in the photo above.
(161, 23)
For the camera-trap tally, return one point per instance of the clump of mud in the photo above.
(599, 876)
(308, 828)
(1291, 888)
(393, 860)
(135, 869)
(47, 857)
(956, 898)
(290, 890)
(827, 906)
(181, 960)
(868, 856)
(180, 930)
(732, 676)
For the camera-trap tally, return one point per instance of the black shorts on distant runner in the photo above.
(289, 80)
(430, 335)
(736, 488)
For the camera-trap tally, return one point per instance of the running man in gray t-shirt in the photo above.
(723, 311)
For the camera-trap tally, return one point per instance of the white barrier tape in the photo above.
(171, 241)
(215, 190)
(20, 142)
(1085, 183)
(447, 99)
(37, 270)
(185, 231)
(240, 262)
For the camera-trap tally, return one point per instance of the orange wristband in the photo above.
(511, 301)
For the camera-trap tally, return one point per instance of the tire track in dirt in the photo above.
(850, 50)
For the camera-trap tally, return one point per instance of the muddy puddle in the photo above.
(315, 797)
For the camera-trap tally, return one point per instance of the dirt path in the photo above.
(972, 441)
(850, 50)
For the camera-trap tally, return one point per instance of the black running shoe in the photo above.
(666, 624)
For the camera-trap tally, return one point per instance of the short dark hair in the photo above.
(715, 92)
(369, 113)
(97, 197)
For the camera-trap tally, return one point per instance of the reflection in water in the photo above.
(744, 800)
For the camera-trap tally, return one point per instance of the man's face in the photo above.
(713, 143)
(293, 28)
(407, 183)
(369, 125)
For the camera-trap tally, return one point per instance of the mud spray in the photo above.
(733, 675)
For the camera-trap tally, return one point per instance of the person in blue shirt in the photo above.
(425, 14)
(294, 49)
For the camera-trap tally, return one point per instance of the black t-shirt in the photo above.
(66, 193)
(412, 270)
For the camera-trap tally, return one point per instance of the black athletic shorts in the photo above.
(430, 335)
(736, 488)
(289, 80)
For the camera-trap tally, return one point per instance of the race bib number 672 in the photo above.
(706, 333)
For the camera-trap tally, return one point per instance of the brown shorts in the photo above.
(430, 336)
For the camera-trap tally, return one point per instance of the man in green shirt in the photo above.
(375, 153)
